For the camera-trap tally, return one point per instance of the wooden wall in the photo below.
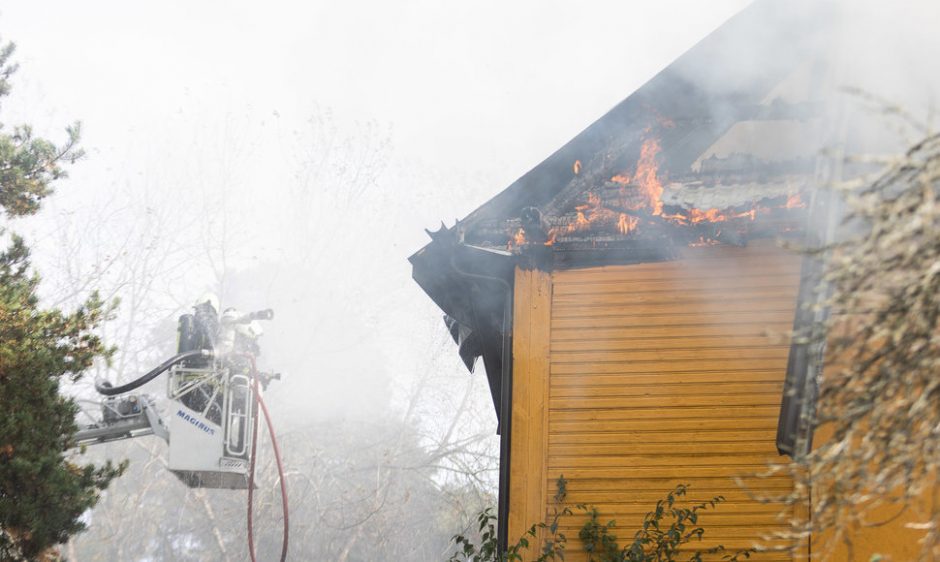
(888, 532)
(529, 441)
(629, 380)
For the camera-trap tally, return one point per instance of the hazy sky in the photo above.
(487, 87)
(217, 94)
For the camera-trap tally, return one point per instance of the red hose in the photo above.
(251, 472)
(251, 469)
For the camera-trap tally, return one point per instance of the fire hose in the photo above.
(106, 389)
(259, 400)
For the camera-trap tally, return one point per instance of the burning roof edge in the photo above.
(705, 92)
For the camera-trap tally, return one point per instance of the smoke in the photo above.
(864, 71)
(213, 166)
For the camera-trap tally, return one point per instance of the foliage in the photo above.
(878, 393)
(665, 531)
(488, 551)
(598, 540)
(28, 165)
(655, 541)
(42, 493)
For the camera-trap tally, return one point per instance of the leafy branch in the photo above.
(665, 530)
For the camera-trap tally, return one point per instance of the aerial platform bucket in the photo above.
(211, 416)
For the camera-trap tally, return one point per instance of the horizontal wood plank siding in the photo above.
(529, 440)
(669, 373)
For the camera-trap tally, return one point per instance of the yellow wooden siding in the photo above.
(529, 441)
(662, 374)
(889, 532)
(892, 531)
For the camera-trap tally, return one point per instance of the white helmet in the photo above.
(209, 298)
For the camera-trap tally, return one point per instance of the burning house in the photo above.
(623, 295)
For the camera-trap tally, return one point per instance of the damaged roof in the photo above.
(733, 103)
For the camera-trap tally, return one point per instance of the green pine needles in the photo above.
(43, 494)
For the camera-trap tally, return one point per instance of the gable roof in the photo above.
(732, 76)
(748, 82)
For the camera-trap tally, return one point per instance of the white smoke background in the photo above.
(290, 157)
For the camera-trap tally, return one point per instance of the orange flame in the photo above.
(752, 214)
(696, 216)
(627, 224)
(794, 201)
(581, 221)
(711, 215)
(646, 193)
(518, 239)
(645, 176)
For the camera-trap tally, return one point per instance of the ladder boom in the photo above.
(123, 417)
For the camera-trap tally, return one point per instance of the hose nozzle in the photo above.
(266, 314)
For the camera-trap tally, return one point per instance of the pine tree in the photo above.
(42, 493)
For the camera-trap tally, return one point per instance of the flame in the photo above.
(642, 190)
(586, 215)
(627, 224)
(645, 176)
(518, 239)
(794, 201)
(696, 216)
(677, 218)
(711, 215)
(581, 222)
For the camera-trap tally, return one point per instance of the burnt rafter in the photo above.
(534, 225)
(613, 218)
(597, 171)
(442, 234)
